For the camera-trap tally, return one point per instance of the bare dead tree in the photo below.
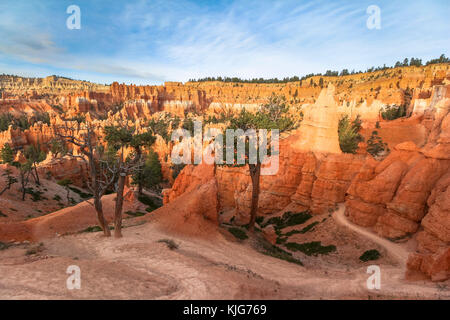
(102, 174)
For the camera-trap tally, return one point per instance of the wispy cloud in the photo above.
(153, 41)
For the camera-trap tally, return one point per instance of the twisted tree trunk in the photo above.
(119, 205)
(101, 218)
(255, 173)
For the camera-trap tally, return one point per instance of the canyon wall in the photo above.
(401, 196)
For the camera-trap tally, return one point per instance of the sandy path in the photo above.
(397, 251)
(138, 267)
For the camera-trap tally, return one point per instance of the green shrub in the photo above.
(275, 252)
(135, 214)
(82, 194)
(96, 229)
(150, 175)
(375, 144)
(238, 233)
(259, 220)
(35, 195)
(311, 248)
(6, 119)
(281, 240)
(170, 243)
(35, 249)
(393, 112)
(370, 255)
(149, 202)
(92, 229)
(7, 153)
(349, 136)
(160, 127)
(176, 169)
(3, 246)
(309, 227)
(288, 219)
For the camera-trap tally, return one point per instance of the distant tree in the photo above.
(375, 144)
(22, 122)
(34, 155)
(6, 120)
(392, 112)
(441, 59)
(349, 136)
(150, 174)
(57, 147)
(24, 175)
(188, 124)
(415, 62)
(9, 180)
(7, 154)
(321, 82)
(405, 62)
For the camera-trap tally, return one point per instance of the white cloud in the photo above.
(154, 41)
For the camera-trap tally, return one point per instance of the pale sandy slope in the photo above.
(397, 251)
(138, 267)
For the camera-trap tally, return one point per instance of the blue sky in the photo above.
(149, 42)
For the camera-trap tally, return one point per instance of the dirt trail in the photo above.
(397, 251)
(139, 267)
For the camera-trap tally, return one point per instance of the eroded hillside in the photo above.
(402, 195)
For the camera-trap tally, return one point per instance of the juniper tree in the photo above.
(150, 174)
(120, 138)
(7, 153)
(34, 155)
(274, 115)
(349, 136)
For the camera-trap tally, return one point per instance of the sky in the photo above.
(150, 42)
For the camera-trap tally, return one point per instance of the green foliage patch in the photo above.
(238, 233)
(349, 136)
(288, 219)
(370, 255)
(275, 252)
(311, 248)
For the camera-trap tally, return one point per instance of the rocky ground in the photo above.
(218, 266)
